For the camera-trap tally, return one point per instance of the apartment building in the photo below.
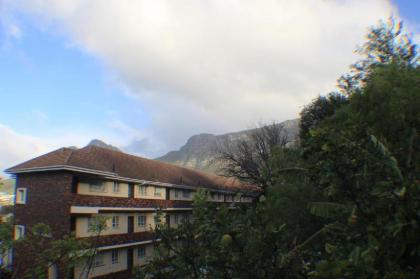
(68, 187)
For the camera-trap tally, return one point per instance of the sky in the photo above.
(147, 75)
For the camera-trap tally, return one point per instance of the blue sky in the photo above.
(47, 85)
(73, 72)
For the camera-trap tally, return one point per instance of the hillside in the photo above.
(199, 151)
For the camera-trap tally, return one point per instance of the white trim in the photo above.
(126, 245)
(114, 176)
(96, 209)
(16, 228)
(177, 209)
(23, 196)
(61, 167)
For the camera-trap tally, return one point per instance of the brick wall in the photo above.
(48, 201)
(90, 200)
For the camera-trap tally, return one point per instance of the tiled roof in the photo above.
(129, 166)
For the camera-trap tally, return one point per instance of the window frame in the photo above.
(143, 190)
(115, 259)
(141, 217)
(89, 223)
(176, 193)
(157, 192)
(98, 260)
(186, 194)
(143, 254)
(116, 187)
(21, 198)
(92, 186)
(115, 222)
(19, 232)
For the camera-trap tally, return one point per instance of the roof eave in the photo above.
(112, 175)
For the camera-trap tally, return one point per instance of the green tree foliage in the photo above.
(65, 253)
(344, 205)
(385, 44)
(223, 242)
(364, 158)
(319, 109)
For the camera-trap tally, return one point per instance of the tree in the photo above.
(319, 109)
(66, 252)
(224, 242)
(97, 225)
(364, 159)
(343, 206)
(386, 44)
(247, 158)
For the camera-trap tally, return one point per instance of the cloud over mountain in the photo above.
(214, 66)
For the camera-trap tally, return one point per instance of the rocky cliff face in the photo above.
(102, 144)
(199, 151)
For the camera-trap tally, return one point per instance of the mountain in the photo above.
(199, 151)
(102, 144)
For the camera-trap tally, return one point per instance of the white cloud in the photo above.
(216, 66)
(16, 148)
(14, 31)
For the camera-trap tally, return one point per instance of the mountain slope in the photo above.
(199, 151)
(100, 143)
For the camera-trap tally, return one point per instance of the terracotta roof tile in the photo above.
(130, 166)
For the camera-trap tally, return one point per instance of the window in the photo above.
(21, 195)
(143, 190)
(19, 231)
(116, 187)
(114, 257)
(176, 219)
(98, 260)
(115, 222)
(158, 192)
(185, 193)
(141, 252)
(213, 196)
(141, 220)
(97, 187)
(219, 197)
(91, 224)
(176, 193)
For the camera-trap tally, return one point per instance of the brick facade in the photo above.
(88, 200)
(48, 202)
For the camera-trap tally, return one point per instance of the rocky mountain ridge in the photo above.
(199, 150)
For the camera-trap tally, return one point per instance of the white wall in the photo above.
(108, 267)
(180, 195)
(150, 192)
(150, 222)
(142, 261)
(82, 225)
(84, 189)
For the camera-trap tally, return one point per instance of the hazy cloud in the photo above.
(15, 147)
(215, 66)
